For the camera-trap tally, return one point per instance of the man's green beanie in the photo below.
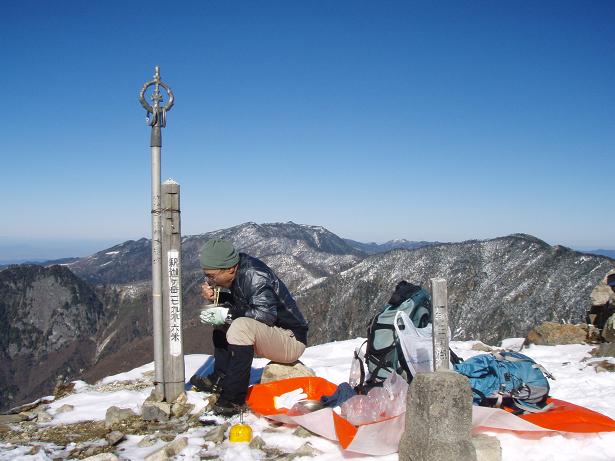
(218, 254)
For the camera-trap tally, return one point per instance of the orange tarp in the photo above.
(382, 437)
(568, 417)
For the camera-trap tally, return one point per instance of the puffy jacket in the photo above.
(259, 294)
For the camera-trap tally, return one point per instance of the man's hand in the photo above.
(207, 292)
(215, 316)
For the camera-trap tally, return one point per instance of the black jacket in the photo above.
(258, 293)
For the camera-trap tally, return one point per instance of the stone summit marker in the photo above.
(439, 404)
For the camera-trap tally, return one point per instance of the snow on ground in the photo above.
(92, 405)
(576, 381)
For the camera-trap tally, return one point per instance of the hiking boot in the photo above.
(237, 379)
(211, 383)
(227, 408)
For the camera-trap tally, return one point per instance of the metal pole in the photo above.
(156, 118)
(157, 273)
(172, 292)
(441, 355)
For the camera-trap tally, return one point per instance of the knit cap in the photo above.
(218, 254)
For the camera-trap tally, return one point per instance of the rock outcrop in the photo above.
(48, 322)
(552, 334)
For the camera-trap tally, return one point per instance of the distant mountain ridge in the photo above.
(497, 288)
(608, 253)
(373, 247)
(313, 250)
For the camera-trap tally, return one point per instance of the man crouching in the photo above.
(258, 316)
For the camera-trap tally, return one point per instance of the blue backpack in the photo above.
(508, 379)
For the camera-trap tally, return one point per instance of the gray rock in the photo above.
(116, 415)
(11, 419)
(65, 408)
(156, 411)
(90, 451)
(552, 334)
(307, 450)
(181, 398)
(36, 412)
(257, 443)
(169, 451)
(115, 437)
(155, 396)
(147, 441)
(277, 371)
(43, 417)
(487, 447)
(604, 350)
(481, 347)
(302, 432)
(167, 437)
(438, 419)
(30, 406)
(608, 332)
(180, 409)
(216, 435)
(603, 366)
(602, 293)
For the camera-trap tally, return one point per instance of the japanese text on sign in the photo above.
(175, 333)
(440, 337)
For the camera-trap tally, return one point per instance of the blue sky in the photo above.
(378, 120)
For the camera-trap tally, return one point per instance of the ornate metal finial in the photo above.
(156, 114)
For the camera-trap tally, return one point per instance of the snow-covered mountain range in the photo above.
(99, 315)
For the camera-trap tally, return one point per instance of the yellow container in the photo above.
(240, 433)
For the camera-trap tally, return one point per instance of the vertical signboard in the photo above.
(175, 329)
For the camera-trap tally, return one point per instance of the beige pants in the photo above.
(273, 343)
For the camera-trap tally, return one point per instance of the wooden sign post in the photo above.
(172, 293)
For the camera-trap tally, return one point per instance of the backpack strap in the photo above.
(379, 360)
(529, 408)
(544, 370)
(359, 356)
(455, 359)
(402, 361)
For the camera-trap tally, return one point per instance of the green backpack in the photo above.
(383, 354)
